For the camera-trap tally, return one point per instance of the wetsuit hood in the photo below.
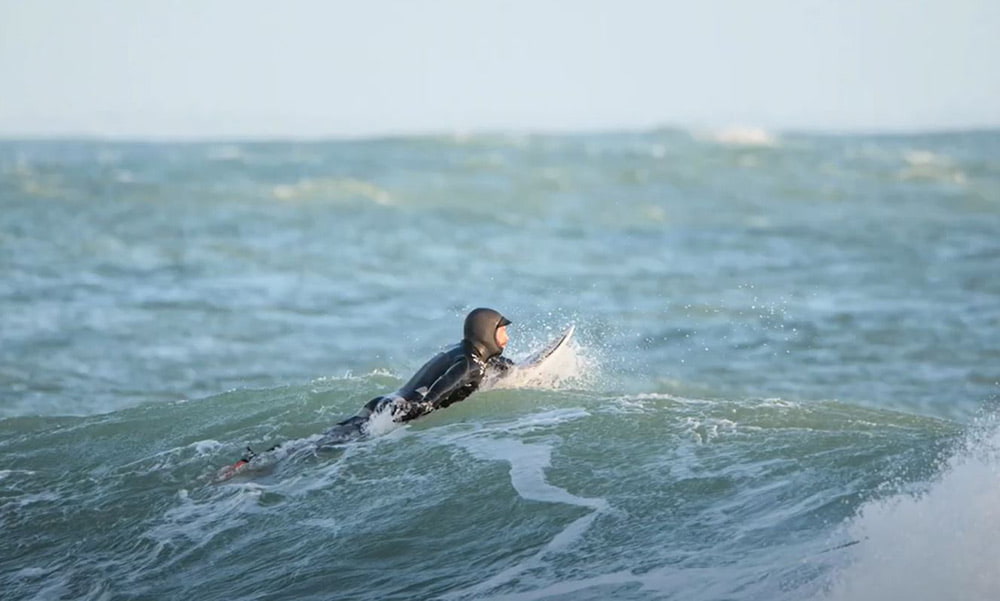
(481, 331)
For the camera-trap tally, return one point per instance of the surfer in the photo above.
(449, 377)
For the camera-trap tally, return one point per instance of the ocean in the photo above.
(784, 382)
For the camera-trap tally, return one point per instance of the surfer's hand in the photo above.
(404, 411)
(401, 409)
(248, 455)
(499, 364)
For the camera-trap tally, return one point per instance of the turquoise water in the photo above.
(783, 384)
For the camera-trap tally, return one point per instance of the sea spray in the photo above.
(931, 544)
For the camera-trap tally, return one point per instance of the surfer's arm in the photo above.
(441, 390)
(454, 378)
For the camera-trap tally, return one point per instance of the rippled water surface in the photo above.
(783, 383)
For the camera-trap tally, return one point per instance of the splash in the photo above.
(382, 423)
(940, 544)
(572, 365)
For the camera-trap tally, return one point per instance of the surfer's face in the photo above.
(502, 337)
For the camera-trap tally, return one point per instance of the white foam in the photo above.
(930, 166)
(324, 476)
(527, 469)
(350, 376)
(740, 136)
(526, 424)
(924, 157)
(5, 473)
(30, 573)
(704, 430)
(206, 447)
(527, 475)
(534, 421)
(332, 188)
(330, 524)
(31, 499)
(200, 521)
(381, 423)
(943, 543)
(175, 456)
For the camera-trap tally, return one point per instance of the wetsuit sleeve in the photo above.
(450, 380)
(437, 395)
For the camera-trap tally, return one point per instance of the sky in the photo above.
(312, 68)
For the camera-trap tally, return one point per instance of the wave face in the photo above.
(782, 385)
(516, 493)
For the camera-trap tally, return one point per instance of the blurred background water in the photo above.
(786, 343)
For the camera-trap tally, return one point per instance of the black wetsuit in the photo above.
(449, 377)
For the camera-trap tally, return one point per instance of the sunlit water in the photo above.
(782, 385)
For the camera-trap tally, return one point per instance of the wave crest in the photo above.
(332, 188)
(740, 136)
(931, 544)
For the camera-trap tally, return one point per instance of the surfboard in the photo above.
(535, 371)
(539, 358)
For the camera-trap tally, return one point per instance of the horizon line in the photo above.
(460, 133)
